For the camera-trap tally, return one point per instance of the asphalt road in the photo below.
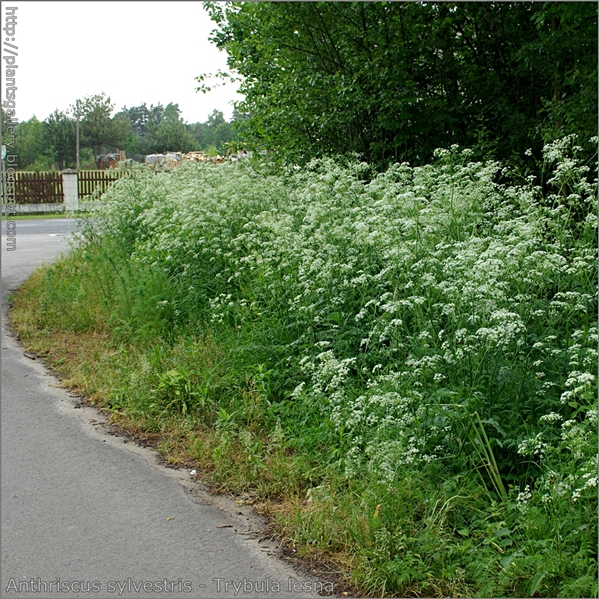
(85, 514)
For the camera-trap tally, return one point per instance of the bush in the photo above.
(427, 322)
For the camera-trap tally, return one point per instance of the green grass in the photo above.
(45, 215)
(400, 369)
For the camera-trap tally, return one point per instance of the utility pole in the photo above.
(77, 165)
(77, 110)
(77, 135)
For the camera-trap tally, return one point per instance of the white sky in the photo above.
(135, 52)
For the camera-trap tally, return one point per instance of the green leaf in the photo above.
(536, 581)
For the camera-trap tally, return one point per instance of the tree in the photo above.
(98, 130)
(172, 134)
(59, 139)
(123, 131)
(172, 112)
(564, 54)
(144, 123)
(215, 118)
(394, 81)
(30, 143)
(156, 129)
(216, 133)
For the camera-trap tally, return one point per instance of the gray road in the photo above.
(85, 514)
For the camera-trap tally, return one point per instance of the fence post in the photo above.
(70, 190)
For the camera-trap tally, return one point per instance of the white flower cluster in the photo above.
(392, 300)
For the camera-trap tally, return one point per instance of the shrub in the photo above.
(429, 321)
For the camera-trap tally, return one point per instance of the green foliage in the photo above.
(215, 133)
(30, 146)
(144, 122)
(392, 81)
(41, 164)
(51, 144)
(159, 129)
(60, 139)
(564, 53)
(423, 342)
(98, 129)
(174, 136)
(176, 391)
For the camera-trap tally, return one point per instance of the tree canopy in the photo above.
(392, 81)
(98, 128)
(59, 139)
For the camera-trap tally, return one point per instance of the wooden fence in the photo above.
(38, 188)
(92, 181)
(47, 188)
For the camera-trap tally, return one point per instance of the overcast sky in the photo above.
(135, 52)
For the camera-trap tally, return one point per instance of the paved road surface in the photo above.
(85, 508)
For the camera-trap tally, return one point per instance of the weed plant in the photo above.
(409, 357)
